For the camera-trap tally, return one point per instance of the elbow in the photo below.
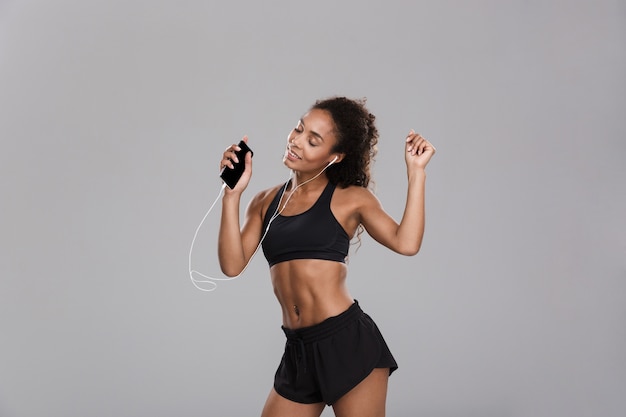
(410, 250)
(229, 271)
(229, 274)
(229, 264)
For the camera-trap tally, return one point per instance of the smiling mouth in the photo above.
(292, 155)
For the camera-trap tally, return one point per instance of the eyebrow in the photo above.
(314, 133)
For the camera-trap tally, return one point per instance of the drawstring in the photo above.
(300, 354)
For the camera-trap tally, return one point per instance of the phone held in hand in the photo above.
(231, 176)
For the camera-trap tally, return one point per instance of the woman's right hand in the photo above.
(228, 158)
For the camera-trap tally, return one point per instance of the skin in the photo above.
(312, 290)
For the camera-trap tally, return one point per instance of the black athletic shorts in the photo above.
(323, 362)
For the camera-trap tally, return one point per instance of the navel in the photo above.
(296, 310)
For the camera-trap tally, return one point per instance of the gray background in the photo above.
(113, 115)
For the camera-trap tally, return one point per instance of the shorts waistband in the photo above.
(326, 327)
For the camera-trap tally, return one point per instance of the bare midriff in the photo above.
(310, 290)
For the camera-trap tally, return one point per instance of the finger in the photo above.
(232, 148)
(248, 159)
(416, 145)
(236, 148)
(226, 162)
(410, 139)
(422, 146)
(229, 158)
(413, 140)
(230, 153)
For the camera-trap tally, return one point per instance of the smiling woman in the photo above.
(334, 352)
(108, 109)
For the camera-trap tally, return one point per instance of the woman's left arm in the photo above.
(405, 237)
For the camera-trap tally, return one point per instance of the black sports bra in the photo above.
(314, 234)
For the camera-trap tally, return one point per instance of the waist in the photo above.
(326, 328)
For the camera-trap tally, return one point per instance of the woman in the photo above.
(334, 352)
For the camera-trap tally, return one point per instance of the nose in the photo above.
(294, 139)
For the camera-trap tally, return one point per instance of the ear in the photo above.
(337, 158)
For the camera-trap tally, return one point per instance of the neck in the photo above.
(299, 180)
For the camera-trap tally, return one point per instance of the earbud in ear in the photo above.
(333, 161)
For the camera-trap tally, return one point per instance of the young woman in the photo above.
(334, 352)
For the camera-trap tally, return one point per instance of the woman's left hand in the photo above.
(418, 150)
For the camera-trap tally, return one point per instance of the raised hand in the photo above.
(229, 158)
(418, 150)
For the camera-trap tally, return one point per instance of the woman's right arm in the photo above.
(237, 244)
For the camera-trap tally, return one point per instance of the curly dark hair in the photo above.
(357, 137)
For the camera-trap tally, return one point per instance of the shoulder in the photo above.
(261, 201)
(355, 196)
(355, 191)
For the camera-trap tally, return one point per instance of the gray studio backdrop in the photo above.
(113, 115)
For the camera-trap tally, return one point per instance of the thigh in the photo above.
(367, 399)
(277, 406)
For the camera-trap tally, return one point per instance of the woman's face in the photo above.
(310, 143)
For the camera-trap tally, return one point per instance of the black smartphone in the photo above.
(231, 176)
